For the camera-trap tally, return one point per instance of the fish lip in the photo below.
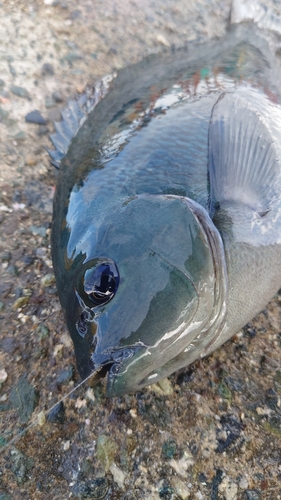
(112, 361)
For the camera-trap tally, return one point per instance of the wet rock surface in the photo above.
(215, 432)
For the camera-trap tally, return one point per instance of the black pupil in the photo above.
(101, 282)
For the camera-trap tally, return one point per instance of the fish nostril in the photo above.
(115, 369)
(81, 325)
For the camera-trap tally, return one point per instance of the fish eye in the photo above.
(101, 282)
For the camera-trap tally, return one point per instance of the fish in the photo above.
(166, 225)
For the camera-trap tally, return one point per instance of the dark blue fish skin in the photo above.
(167, 192)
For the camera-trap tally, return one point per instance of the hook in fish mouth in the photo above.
(111, 361)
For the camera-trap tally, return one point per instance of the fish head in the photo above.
(147, 290)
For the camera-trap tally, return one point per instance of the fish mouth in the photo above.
(111, 363)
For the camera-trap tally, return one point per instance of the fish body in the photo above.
(167, 214)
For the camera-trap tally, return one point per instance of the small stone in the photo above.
(42, 331)
(271, 399)
(57, 414)
(163, 387)
(65, 375)
(40, 231)
(41, 252)
(2, 83)
(41, 418)
(42, 130)
(166, 492)
(57, 96)
(48, 69)
(35, 117)
(75, 14)
(24, 398)
(106, 451)
(180, 488)
(232, 429)
(20, 136)
(20, 92)
(12, 270)
(161, 39)
(243, 483)
(118, 475)
(20, 302)
(113, 51)
(183, 464)
(12, 70)
(48, 280)
(20, 465)
(31, 161)
(169, 449)
(3, 376)
(224, 391)
(71, 57)
(6, 256)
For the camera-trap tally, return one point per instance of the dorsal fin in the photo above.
(74, 115)
(245, 163)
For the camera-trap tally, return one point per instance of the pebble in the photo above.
(3, 376)
(243, 483)
(42, 331)
(48, 280)
(41, 252)
(48, 69)
(24, 398)
(232, 428)
(65, 375)
(41, 418)
(20, 465)
(20, 92)
(31, 161)
(229, 488)
(180, 487)
(35, 117)
(163, 387)
(20, 302)
(57, 96)
(2, 83)
(183, 464)
(20, 136)
(57, 414)
(169, 449)
(39, 230)
(75, 14)
(5, 256)
(42, 130)
(106, 451)
(71, 57)
(118, 475)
